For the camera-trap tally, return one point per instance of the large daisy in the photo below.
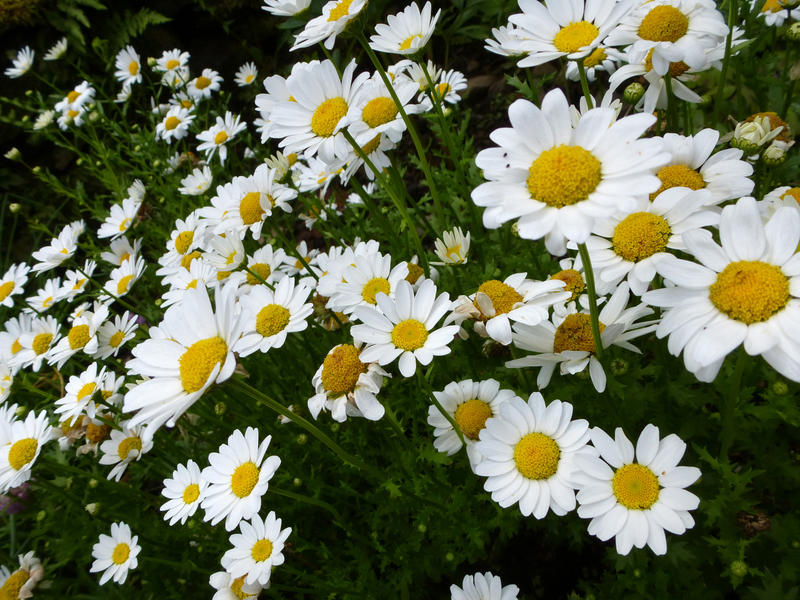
(20, 444)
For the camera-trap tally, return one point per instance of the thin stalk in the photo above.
(670, 102)
(729, 402)
(732, 5)
(307, 500)
(593, 311)
(585, 83)
(440, 408)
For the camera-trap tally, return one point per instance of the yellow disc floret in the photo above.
(342, 9)
(575, 333)
(129, 445)
(750, 291)
(12, 586)
(116, 339)
(183, 241)
(86, 390)
(272, 319)
(573, 280)
(793, 193)
(373, 287)
(186, 261)
(5, 289)
(409, 335)
(261, 550)
(72, 96)
(536, 456)
(191, 493)
(414, 273)
(502, 295)
(327, 116)
(678, 176)
(379, 111)
(171, 123)
(124, 284)
(221, 137)
(772, 6)
(406, 43)
(575, 36)
(97, 433)
(133, 68)
(120, 554)
(171, 64)
(471, 417)
(236, 588)
(41, 343)
(199, 360)
(78, 336)
(595, 58)
(341, 370)
(664, 24)
(564, 175)
(263, 271)
(244, 479)
(250, 208)
(635, 486)
(202, 82)
(22, 452)
(640, 235)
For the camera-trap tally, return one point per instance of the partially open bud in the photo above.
(633, 93)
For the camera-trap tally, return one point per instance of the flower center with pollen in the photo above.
(78, 336)
(261, 550)
(414, 273)
(250, 208)
(471, 417)
(97, 433)
(678, 176)
(272, 319)
(502, 296)
(191, 493)
(595, 58)
(675, 68)
(171, 64)
(22, 452)
(340, 10)
(373, 287)
(199, 360)
(186, 261)
(171, 123)
(406, 43)
(72, 96)
(536, 456)
(635, 487)
(86, 390)
(6, 289)
(116, 339)
(236, 588)
(379, 111)
(750, 291)
(772, 6)
(263, 271)
(341, 370)
(221, 138)
(133, 68)
(575, 334)
(120, 554)
(564, 175)
(183, 241)
(573, 282)
(327, 116)
(12, 586)
(409, 335)
(664, 24)
(129, 445)
(575, 36)
(244, 479)
(124, 283)
(202, 83)
(41, 343)
(640, 235)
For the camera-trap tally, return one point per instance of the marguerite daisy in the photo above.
(184, 491)
(335, 16)
(452, 248)
(20, 583)
(82, 336)
(233, 588)
(79, 394)
(174, 65)
(116, 554)
(406, 32)
(129, 67)
(13, 283)
(175, 124)
(246, 74)
(202, 85)
(113, 334)
(57, 50)
(218, 135)
(21, 64)
(22, 441)
(122, 278)
(124, 447)
(483, 586)
(257, 549)
(35, 343)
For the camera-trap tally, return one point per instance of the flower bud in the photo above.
(92, 508)
(633, 93)
(14, 207)
(13, 154)
(779, 388)
(793, 33)
(302, 439)
(220, 408)
(774, 155)
(738, 568)
(619, 366)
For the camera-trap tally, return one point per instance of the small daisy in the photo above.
(129, 67)
(448, 86)
(286, 8)
(13, 330)
(113, 334)
(238, 476)
(185, 491)
(77, 99)
(230, 588)
(452, 248)
(174, 65)
(22, 63)
(44, 298)
(57, 50)
(124, 447)
(775, 199)
(175, 124)
(264, 266)
(775, 13)
(197, 182)
(122, 278)
(247, 73)
(199, 273)
(406, 32)
(483, 586)
(121, 250)
(79, 394)
(75, 280)
(12, 283)
(35, 343)
(71, 116)
(21, 582)
(635, 502)
(257, 549)
(470, 404)
(22, 441)
(335, 16)
(116, 554)
(120, 218)
(405, 327)
(600, 60)
(44, 119)
(201, 86)
(373, 112)
(82, 336)
(58, 250)
(293, 265)
(216, 137)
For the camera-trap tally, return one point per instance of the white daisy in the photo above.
(257, 549)
(124, 447)
(335, 16)
(199, 273)
(264, 266)
(601, 59)
(82, 336)
(75, 280)
(483, 586)
(13, 283)
(185, 491)
(174, 65)
(635, 502)
(774, 12)
(44, 119)
(778, 198)
(77, 99)
(368, 276)
(452, 248)
(58, 250)
(175, 124)
(129, 67)
(22, 581)
(448, 85)
(293, 265)
(202, 85)
(19, 448)
(230, 588)
(57, 50)
(35, 343)
(113, 334)
(224, 252)
(373, 112)
(6, 380)
(121, 250)
(122, 278)
(22, 63)
(186, 240)
(218, 135)
(238, 476)
(13, 330)
(45, 297)
(116, 554)
(406, 32)
(197, 182)
(120, 219)
(79, 394)
(247, 73)
(285, 8)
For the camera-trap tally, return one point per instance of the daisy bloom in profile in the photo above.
(405, 327)
(347, 387)
(185, 492)
(120, 218)
(483, 586)
(452, 248)
(744, 291)
(285, 8)
(556, 178)
(219, 134)
(230, 588)
(257, 549)
(775, 13)
(238, 476)
(128, 65)
(35, 343)
(75, 280)
(448, 86)
(124, 276)
(335, 16)
(202, 85)
(13, 330)
(406, 32)
(21, 64)
(58, 250)
(121, 250)
(192, 351)
(57, 50)
(634, 495)
(21, 443)
(113, 334)
(12, 283)
(21, 582)
(247, 73)
(470, 404)
(116, 554)
(175, 124)
(76, 100)
(197, 182)
(46, 296)
(174, 65)
(124, 447)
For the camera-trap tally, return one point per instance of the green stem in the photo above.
(12, 536)
(584, 83)
(307, 500)
(593, 311)
(726, 59)
(729, 402)
(670, 102)
(441, 409)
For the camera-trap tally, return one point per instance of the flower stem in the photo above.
(584, 83)
(670, 102)
(593, 311)
(729, 402)
(445, 414)
(307, 500)
(726, 59)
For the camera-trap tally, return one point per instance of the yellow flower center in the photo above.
(12, 586)
(327, 116)
(191, 493)
(678, 176)
(564, 175)
(6, 289)
(47, 302)
(86, 390)
(41, 343)
(129, 445)
(750, 291)
(575, 36)
(793, 193)
(414, 273)
(664, 24)
(116, 339)
(536, 456)
(635, 487)
(575, 333)
(186, 261)
(263, 271)
(192, 285)
(171, 123)
(503, 296)
(171, 64)
(272, 319)
(675, 68)
(406, 44)
(379, 111)
(72, 113)
(125, 256)
(15, 346)
(124, 283)
(202, 83)
(442, 89)
(236, 588)
(120, 554)
(373, 287)
(372, 145)
(573, 280)
(409, 335)
(261, 550)
(244, 479)
(249, 77)
(133, 68)
(341, 370)
(22, 452)
(250, 208)
(640, 235)
(595, 58)
(221, 138)
(342, 9)
(199, 360)
(183, 241)
(72, 96)
(186, 103)
(123, 226)
(78, 336)
(471, 417)
(772, 6)
(97, 433)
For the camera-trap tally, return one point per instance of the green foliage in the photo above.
(127, 25)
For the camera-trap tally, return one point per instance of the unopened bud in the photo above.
(302, 439)
(14, 207)
(36, 170)
(13, 154)
(779, 388)
(774, 155)
(92, 508)
(93, 116)
(619, 366)
(220, 408)
(739, 568)
(422, 528)
(41, 515)
(793, 33)
(93, 483)
(633, 93)
(297, 482)
(449, 557)
(151, 61)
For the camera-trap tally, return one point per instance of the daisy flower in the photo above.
(120, 218)
(257, 549)
(777, 198)
(124, 447)
(46, 296)
(186, 240)
(743, 291)
(216, 137)
(116, 554)
(775, 13)
(57, 50)
(22, 63)
(202, 85)
(175, 124)
(448, 86)
(347, 387)
(57, 251)
(470, 404)
(335, 16)
(247, 73)
(634, 495)
(6, 380)
(113, 334)
(124, 276)
(35, 343)
(197, 182)
(224, 252)
(75, 280)
(601, 59)
(405, 327)
(22, 441)
(23, 580)
(121, 250)
(82, 336)
(13, 330)
(293, 265)
(192, 352)
(199, 273)
(128, 65)
(230, 588)
(556, 178)
(373, 112)
(174, 65)
(12, 283)
(44, 119)
(77, 99)
(483, 586)
(185, 491)
(368, 276)
(265, 263)
(406, 32)
(452, 248)
(238, 476)
(79, 396)
(285, 8)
